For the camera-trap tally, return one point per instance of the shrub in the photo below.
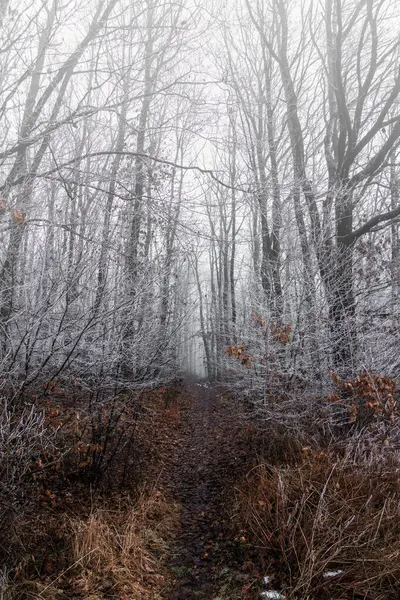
(23, 439)
(122, 548)
(324, 514)
(368, 398)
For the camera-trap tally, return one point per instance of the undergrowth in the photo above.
(324, 516)
(80, 513)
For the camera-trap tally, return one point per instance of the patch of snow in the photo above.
(329, 574)
(273, 595)
(267, 579)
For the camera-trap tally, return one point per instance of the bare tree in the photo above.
(357, 109)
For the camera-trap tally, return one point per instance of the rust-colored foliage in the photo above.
(369, 397)
(257, 319)
(281, 333)
(235, 351)
(246, 360)
(18, 216)
(54, 389)
(239, 352)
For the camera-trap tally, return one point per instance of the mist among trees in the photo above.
(197, 190)
(170, 171)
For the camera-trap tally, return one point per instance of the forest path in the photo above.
(212, 454)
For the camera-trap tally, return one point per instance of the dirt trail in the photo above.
(211, 455)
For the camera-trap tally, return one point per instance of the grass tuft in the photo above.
(321, 510)
(122, 550)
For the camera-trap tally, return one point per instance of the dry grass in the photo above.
(324, 514)
(117, 552)
(325, 494)
(6, 587)
(55, 545)
(121, 550)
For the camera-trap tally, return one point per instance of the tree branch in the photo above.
(144, 156)
(374, 221)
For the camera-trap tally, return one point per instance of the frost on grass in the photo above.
(273, 595)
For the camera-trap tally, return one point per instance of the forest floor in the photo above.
(180, 493)
(165, 533)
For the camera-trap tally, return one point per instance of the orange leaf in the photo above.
(19, 216)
